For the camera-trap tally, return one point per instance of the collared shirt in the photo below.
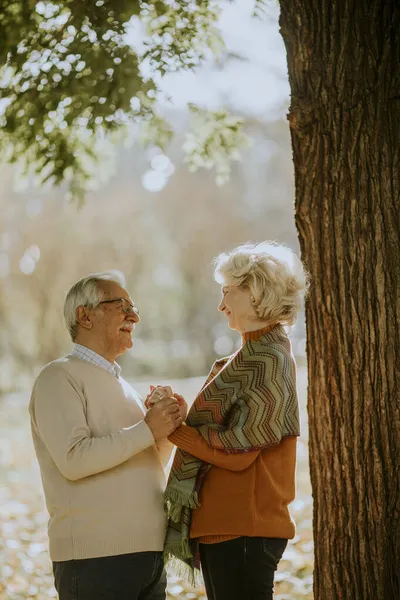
(86, 354)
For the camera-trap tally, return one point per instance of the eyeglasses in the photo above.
(126, 306)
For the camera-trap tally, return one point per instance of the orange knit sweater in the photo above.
(244, 494)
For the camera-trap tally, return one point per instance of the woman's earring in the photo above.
(252, 299)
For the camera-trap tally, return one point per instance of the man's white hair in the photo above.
(86, 292)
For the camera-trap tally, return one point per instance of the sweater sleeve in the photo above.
(58, 415)
(189, 439)
(164, 448)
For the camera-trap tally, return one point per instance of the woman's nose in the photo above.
(221, 306)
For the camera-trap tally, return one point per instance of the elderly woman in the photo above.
(233, 476)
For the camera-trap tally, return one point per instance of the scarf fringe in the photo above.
(176, 500)
(179, 568)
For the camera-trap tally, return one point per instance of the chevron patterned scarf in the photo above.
(248, 403)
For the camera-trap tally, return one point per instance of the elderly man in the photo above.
(101, 456)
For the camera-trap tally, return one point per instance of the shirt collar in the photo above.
(92, 357)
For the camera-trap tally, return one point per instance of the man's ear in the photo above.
(83, 317)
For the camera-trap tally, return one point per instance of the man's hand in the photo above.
(183, 407)
(163, 417)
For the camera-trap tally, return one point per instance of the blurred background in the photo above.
(154, 220)
(162, 225)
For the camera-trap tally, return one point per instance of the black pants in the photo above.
(138, 576)
(241, 569)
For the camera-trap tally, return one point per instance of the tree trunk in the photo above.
(344, 72)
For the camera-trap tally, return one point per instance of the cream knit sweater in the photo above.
(102, 472)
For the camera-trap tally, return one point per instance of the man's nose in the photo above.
(132, 316)
(221, 306)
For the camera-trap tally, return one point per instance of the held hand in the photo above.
(146, 401)
(163, 417)
(156, 394)
(183, 407)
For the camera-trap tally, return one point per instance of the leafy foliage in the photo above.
(215, 136)
(71, 76)
(182, 34)
(259, 8)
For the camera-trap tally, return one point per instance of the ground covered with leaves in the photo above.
(25, 568)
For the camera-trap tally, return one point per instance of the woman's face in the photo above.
(237, 306)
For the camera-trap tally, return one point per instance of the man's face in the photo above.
(112, 327)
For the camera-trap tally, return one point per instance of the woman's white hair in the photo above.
(272, 272)
(86, 292)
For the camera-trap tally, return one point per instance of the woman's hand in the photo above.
(157, 394)
(161, 392)
(183, 407)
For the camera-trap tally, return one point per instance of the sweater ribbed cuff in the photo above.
(183, 438)
(140, 436)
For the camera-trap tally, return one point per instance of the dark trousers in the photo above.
(137, 576)
(241, 569)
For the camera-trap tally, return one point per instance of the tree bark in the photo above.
(344, 72)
